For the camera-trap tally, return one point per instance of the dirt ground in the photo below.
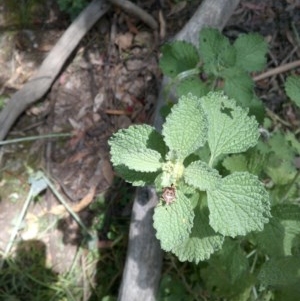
(110, 82)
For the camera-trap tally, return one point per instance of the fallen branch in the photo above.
(277, 70)
(136, 11)
(144, 256)
(40, 84)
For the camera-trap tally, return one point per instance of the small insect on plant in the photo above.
(169, 194)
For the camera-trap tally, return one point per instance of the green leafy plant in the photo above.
(206, 164)
(22, 13)
(216, 64)
(72, 7)
(192, 224)
(292, 88)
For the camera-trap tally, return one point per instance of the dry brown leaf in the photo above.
(124, 41)
(58, 210)
(85, 201)
(61, 210)
(177, 8)
(107, 171)
(104, 244)
(78, 156)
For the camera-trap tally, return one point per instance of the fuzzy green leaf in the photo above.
(270, 240)
(201, 176)
(173, 223)
(280, 145)
(178, 57)
(202, 242)
(281, 156)
(185, 129)
(282, 271)
(239, 205)
(234, 260)
(289, 216)
(293, 141)
(251, 50)
(145, 160)
(210, 43)
(292, 88)
(281, 171)
(252, 161)
(236, 163)
(215, 50)
(238, 85)
(135, 148)
(192, 85)
(136, 178)
(230, 129)
(228, 271)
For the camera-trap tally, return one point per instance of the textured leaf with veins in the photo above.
(185, 129)
(173, 223)
(132, 147)
(239, 205)
(230, 129)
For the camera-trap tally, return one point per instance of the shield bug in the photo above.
(169, 194)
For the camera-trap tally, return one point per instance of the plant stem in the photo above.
(17, 226)
(187, 73)
(68, 208)
(17, 140)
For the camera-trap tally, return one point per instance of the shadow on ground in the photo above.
(25, 276)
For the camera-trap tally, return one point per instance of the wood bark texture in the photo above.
(144, 257)
(40, 83)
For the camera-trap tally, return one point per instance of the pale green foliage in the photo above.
(295, 144)
(292, 89)
(280, 165)
(236, 163)
(202, 241)
(193, 85)
(225, 135)
(231, 201)
(134, 177)
(274, 157)
(237, 204)
(252, 161)
(199, 175)
(185, 130)
(174, 223)
(131, 148)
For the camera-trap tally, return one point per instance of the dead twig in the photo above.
(136, 11)
(40, 83)
(277, 70)
(117, 112)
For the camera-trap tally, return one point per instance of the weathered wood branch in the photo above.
(40, 83)
(144, 257)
